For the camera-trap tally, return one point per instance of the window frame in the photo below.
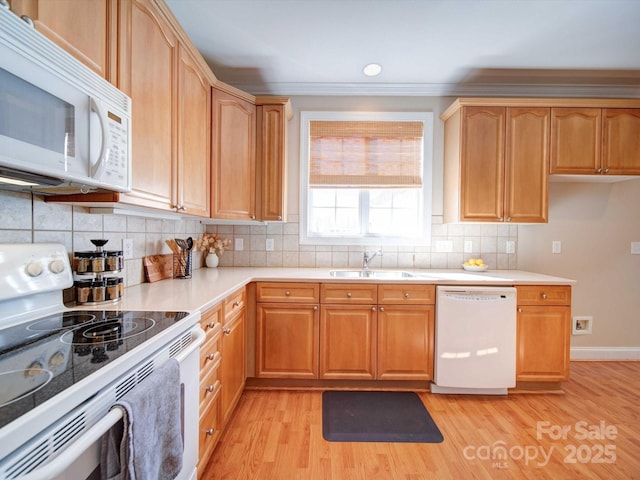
(424, 237)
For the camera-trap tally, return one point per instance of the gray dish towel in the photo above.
(147, 444)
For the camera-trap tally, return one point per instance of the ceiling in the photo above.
(425, 47)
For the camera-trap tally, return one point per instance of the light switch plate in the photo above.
(127, 248)
(269, 245)
(635, 248)
(239, 245)
(510, 246)
(556, 246)
(468, 246)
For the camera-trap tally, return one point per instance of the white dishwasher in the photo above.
(475, 344)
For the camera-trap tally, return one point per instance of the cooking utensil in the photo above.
(189, 243)
(182, 243)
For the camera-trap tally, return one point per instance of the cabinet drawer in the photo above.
(210, 387)
(544, 295)
(348, 293)
(233, 304)
(407, 294)
(209, 431)
(288, 292)
(210, 355)
(211, 320)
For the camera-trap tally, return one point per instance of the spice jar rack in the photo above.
(97, 275)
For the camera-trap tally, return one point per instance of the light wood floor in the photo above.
(277, 435)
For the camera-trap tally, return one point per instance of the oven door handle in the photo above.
(59, 464)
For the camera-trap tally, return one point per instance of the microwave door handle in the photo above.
(98, 169)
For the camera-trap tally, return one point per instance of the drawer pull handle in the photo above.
(287, 293)
(209, 431)
(236, 304)
(406, 294)
(227, 331)
(544, 296)
(348, 294)
(211, 324)
(211, 356)
(211, 388)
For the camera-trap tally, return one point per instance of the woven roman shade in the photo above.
(365, 154)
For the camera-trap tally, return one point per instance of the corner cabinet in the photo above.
(87, 30)
(233, 156)
(543, 333)
(496, 164)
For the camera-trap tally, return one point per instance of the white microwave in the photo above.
(63, 128)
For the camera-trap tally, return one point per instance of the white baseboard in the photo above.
(605, 353)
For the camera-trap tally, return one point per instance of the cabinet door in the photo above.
(348, 342)
(194, 134)
(233, 157)
(576, 140)
(271, 161)
(543, 343)
(405, 342)
(621, 145)
(287, 341)
(527, 160)
(482, 164)
(148, 74)
(232, 367)
(87, 29)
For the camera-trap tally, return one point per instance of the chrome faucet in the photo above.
(368, 257)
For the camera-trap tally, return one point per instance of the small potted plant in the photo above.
(214, 246)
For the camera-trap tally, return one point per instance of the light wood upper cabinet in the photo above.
(193, 187)
(576, 139)
(87, 29)
(233, 157)
(621, 141)
(272, 114)
(148, 74)
(496, 164)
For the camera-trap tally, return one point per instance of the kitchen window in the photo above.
(365, 178)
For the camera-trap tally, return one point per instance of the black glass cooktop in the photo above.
(41, 358)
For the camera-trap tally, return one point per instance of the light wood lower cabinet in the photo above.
(210, 427)
(543, 333)
(232, 368)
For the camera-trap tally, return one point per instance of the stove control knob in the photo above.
(57, 266)
(34, 269)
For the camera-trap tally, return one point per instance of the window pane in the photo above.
(348, 197)
(379, 198)
(323, 197)
(380, 221)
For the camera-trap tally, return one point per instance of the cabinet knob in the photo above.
(209, 431)
(211, 356)
(227, 331)
(253, 217)
(348, 294)
(501, 219)
(606, 170)
(315, 308)
(373, 309)
(287, 293)
(236, 304)
(519, 309)
(382, 309)
(406, 294)
(211, 388)
(508, 219)
(210, 325)
(544, 296)
(599, 170)
(279, 217)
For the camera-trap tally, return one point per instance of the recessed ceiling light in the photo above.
(372, 69)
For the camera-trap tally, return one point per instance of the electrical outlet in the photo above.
(239, 244)
(268, 245)
(127, 248)
(468, 246)
(582, 325)
(556, 246)
(510, 246)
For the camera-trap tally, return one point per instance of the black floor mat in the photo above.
(377, 417)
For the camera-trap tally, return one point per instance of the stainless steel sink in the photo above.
(390, 274)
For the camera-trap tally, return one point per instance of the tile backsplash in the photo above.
(27, 218)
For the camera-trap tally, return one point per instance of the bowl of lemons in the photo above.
(475, 265)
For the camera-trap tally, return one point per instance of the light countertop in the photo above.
(209, 286)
